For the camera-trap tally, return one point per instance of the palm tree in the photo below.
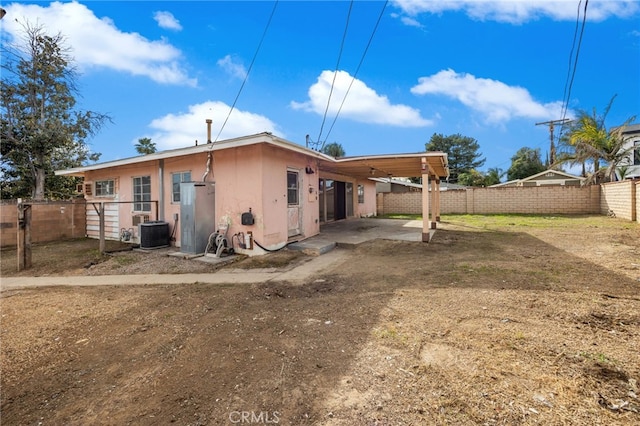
(145, 146)
(493, 176)
(590, 141)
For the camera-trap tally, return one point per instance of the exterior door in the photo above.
(294, 216)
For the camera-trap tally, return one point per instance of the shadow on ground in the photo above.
(475, 327)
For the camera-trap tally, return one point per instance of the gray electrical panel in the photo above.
(197, 216)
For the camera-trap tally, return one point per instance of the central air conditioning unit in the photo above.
(154, 234)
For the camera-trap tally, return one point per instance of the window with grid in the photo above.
(176, 180)
(292, 188)
(361, 194)
(105, 188)
(142, 194)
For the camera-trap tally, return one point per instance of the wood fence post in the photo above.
(101, 217)
(24, 235)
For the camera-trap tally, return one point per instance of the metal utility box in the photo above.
(197, 216)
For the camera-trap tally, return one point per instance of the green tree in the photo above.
(476, 178)
(588, 141)
(472, 178)
(462, 153)
(333, 149)
(145, 146)
(526, 162)
(494, 176)
(40, 127)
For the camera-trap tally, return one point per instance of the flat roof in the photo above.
(384, 165)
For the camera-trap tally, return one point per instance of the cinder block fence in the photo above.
(622, 198)
(50, 221)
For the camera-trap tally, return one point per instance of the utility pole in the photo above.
(552, 147)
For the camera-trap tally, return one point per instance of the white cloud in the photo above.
(181, 130)
(407, 20)
(167, 21)
(363, 104)
(520, 11)
(496, 101)
(99, 43)
(232, 68)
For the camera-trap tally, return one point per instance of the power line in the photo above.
(255, 55)
(575, 63)
(568, 84)
(344, 36)
(573, 46)
(375, 29)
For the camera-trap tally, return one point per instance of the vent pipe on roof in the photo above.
(209, 121)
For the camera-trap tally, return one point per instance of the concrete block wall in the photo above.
(49, 221)
(401, 202)
(532, 200)
(620, 198)
(8, 223)
(453, 201)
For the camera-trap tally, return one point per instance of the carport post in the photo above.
(436, 208)
(425, 201)
(434, 202)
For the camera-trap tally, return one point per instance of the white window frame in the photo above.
(101, 185)
(141, 205)
(360, 194)
(293, 188)
(175, 196)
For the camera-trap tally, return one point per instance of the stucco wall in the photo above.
(247, 177)
(119, 215)
(49, 221)
(238, 177)
(368, 208)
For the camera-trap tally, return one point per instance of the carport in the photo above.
(431, 166)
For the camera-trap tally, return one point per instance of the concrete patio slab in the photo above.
(350, 233)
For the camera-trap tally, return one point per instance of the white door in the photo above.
(294, 216)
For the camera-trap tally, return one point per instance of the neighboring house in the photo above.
(261, 184)
(631, 134)
(385, 185)
(547, 177)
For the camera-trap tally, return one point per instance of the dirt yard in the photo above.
(521, 320)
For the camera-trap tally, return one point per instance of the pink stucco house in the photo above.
(262, 185)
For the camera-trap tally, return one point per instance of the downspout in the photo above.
(161, 189)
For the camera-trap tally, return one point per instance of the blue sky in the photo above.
(488, 70)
